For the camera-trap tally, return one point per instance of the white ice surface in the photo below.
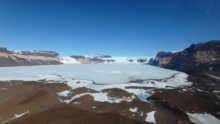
(100, 73)
(205, 118)
(150, 117)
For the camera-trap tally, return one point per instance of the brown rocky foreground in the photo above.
(68, 114)
(40, 104)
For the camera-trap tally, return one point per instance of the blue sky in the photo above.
(113, 27)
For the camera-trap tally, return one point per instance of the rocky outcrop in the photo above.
(94, 59)
(206, 76)
(163, 58)
(189, 58)
(88, 60)
(27, 58)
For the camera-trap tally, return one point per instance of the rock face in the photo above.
(189, 58)
(23, 58)
(163, 58)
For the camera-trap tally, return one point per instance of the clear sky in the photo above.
(113, 27)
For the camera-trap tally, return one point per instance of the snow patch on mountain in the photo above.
(203, 118)
(69, 60)
(150, 117)
(16, 116)
(133, 109)
(63, 93)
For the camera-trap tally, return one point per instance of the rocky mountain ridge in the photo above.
(34, 53)
(88, 59)
(21, 58)
(98, 58)
(10, 57)
(189, 58)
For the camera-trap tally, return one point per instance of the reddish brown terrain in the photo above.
(41, 105)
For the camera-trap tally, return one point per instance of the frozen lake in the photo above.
(100, 73)
(119, 76)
